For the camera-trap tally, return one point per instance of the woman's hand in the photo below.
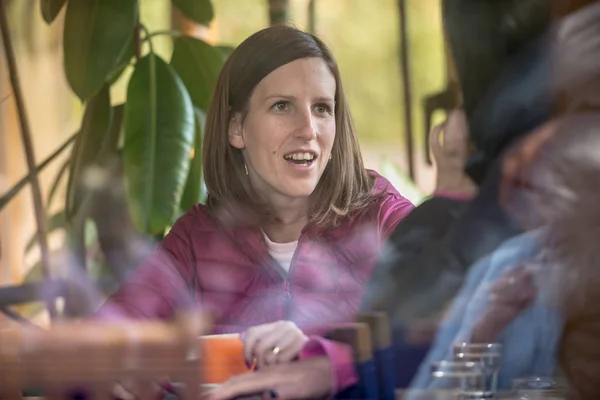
(274, 343)
(512, 293)
(130, 390)
(519, 160)
(449, 146)
(306, 379)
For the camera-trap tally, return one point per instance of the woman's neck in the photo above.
(288, 223)
(279, 232)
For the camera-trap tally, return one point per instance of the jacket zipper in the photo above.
(287, 296)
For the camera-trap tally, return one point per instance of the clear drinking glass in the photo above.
(488, 354)
(537, 388)
(457, 376)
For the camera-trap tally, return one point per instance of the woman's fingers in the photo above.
(273, 343)
(251, 338)
(282, 346)
(243, 385)
(515, 288)
(305, 379)
(268, 348)
(122, 393)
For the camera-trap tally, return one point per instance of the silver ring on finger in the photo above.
(276, 350)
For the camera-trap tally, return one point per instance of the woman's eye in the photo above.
(280, 106)
(323, 109)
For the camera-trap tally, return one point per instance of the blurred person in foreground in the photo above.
(292, 226)
(516, 61)
(500, 52)
(519, 294)
(510, 296)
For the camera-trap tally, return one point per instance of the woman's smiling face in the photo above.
(289, 129)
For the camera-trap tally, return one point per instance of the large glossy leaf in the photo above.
(51, 8)
(200, 11)
(96, 122)
(159, 136)
(198, 64)
(194, 188)
(96, 35)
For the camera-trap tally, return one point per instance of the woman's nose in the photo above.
(306, 128)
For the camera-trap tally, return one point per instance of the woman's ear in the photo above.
(236, 138)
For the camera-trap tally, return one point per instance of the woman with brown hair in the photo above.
(293, 222)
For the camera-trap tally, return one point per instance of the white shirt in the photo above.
(281, 252)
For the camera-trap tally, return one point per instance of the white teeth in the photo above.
(300, 156)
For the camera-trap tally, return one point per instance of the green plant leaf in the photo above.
(198, 64)
(114, 135)
(12, 192)
(193, 192)
(159, 136)
(225, 51)
(56, 221)
(97, 119)
(50, 9)
(200, 11)
(96, 35)
(124, 61)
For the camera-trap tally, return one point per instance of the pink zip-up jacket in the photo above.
(229, 272)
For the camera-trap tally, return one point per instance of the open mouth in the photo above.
(301, 158)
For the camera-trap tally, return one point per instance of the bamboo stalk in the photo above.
(278, 12)
(406, 86)
(312, 17)
(38, 205)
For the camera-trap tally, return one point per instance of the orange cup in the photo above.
(221, 357)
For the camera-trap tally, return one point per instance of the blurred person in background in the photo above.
(293, 223)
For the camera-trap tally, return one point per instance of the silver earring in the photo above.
(246, 169)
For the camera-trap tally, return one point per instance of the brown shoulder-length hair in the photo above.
(345, 186)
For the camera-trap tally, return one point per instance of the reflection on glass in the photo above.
(458, 376)
(488, 354)
(537, 388)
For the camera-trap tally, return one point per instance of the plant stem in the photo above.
(12, 192)
(170, 32)
(148, 37)
(38, 205)
(138, 42)
(17, 317)
(5, 98)
(136, 34)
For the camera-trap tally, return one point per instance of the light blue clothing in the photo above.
(529, 342)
